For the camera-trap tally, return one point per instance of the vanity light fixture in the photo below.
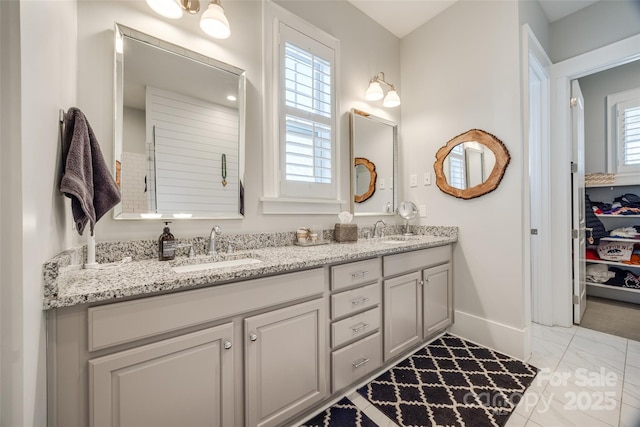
(375, 92)
(213, 21)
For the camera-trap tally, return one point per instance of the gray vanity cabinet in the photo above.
(437, 299)
(285, 362)
(187, 381)
(402, 314)
(418, 298)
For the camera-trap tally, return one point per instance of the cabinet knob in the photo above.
(253, 337)
(227, 345)
(420, 282)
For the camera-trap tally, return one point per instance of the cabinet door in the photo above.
(437, 299)
(402, 314)
(183, 381)
(286, 368)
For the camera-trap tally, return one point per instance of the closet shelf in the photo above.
(620, 239)
(605, 286)
(619, 264)
(616, 216)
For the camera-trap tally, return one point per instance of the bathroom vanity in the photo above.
(260, 344)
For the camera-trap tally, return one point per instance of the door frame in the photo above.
(562, 73)
(537, 278)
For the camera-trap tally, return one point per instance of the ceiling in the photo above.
(401, 17)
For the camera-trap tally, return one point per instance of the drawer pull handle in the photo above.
(361, 362)
(362, 327)
(253, 337)
(227, 345)
(360, 274)
(359, 301)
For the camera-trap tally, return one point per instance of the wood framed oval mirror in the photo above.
(471, 164)
(365, 179)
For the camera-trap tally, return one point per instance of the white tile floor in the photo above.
(586, 379)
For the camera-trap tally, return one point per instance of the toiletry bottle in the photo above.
(166, 245)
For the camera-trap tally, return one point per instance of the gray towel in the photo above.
(87, 180)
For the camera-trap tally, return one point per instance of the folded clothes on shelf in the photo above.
(598, 273)
(623, 278)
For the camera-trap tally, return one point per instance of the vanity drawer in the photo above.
(355, 273)
(348, 302)
(355, 326)
(415, 260)
(356, 361)
(128, 321)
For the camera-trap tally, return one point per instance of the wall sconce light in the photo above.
(213, 21)
(375, 92)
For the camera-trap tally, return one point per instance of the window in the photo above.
(456, 167)
(624, 131)
(628, 127)
(300, 148)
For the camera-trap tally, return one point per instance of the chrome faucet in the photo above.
(377, 233)
(212, 240)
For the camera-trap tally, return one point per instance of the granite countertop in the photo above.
(66, 284)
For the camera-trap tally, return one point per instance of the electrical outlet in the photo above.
(423, 211)
(381, 183)
(427, 178)
(413, 180)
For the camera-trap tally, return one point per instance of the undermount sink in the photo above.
(397, 240)
(216, 265)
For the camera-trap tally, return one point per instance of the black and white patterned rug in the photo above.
(342, 414)
(451, 382)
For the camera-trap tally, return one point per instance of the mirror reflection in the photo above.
(179, 131)
(365, 179)
(468, 164)
(374, 150)
(471, 164)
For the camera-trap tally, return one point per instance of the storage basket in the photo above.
(615, 251)
(599, 178)
(346, 233)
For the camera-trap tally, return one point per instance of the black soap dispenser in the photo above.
(166, 245)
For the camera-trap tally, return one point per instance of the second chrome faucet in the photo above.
(215, 231)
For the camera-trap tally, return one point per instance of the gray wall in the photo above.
(598, 25)
(471, 81)
(595, 89)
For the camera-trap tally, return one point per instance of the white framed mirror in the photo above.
(374, 156)
(179, 131)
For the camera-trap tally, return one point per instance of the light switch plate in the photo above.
(427, 178)
(413, 180)
(423, 211)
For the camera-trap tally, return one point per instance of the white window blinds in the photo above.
(456, 167)
(628, 118)
(307, 142)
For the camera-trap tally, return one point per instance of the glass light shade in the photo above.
(374, 92)
(167, 8)
(214, 23)
(392, 99)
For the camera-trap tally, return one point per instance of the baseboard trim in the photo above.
(506, 339)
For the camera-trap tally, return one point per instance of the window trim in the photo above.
(273, 200)
(613, 143)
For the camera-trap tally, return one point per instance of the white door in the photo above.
(578, 217)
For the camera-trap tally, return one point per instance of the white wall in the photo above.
(42, 80)
(365, 46)
(595, 89)
(595, 26)
(471, 81)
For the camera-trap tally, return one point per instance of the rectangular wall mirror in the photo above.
(179, 131)
(374, 153)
